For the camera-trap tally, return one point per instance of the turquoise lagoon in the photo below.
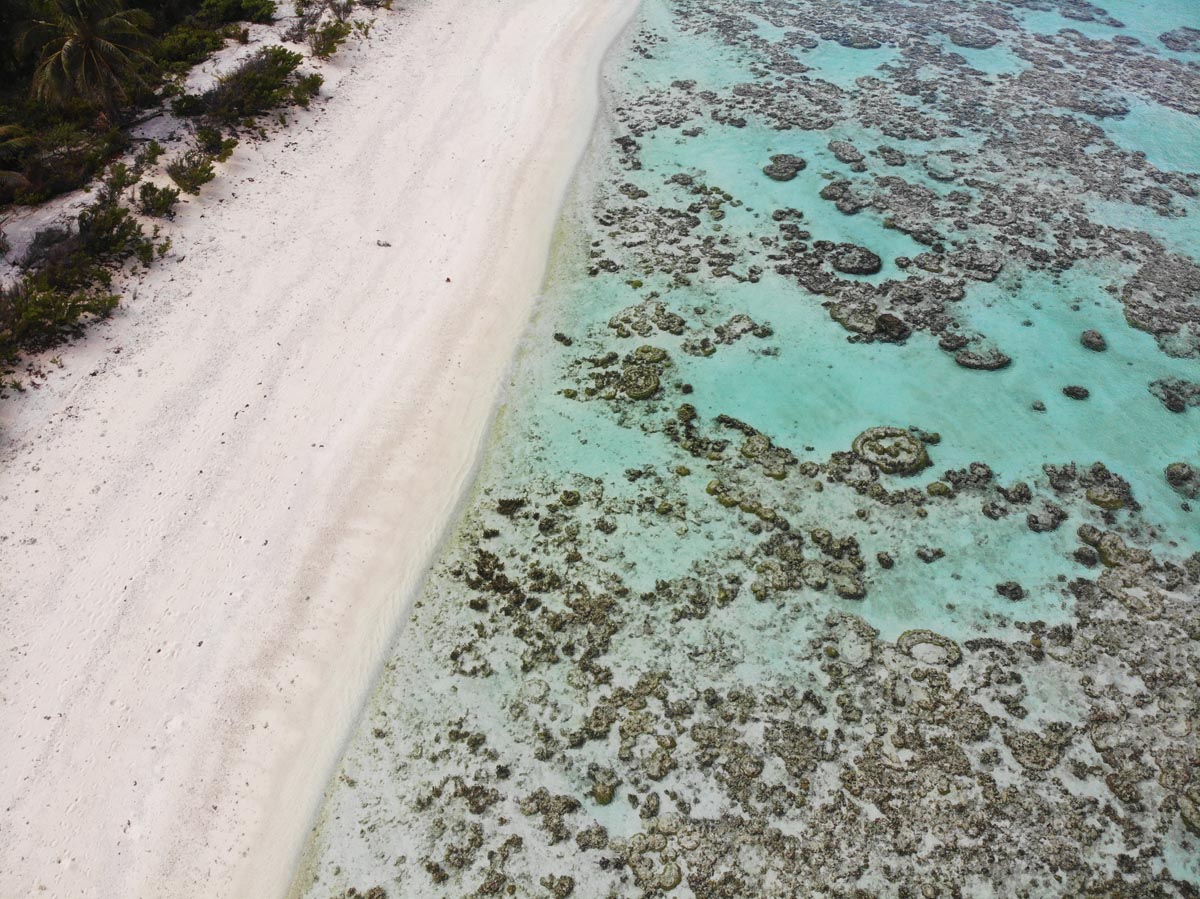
(642, 667)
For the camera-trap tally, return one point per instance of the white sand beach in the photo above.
(211, 519)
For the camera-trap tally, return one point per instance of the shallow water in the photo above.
(684, 641)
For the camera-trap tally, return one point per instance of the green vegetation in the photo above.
(70, 271)
(211, 141)
(36, 318)
(324, 40)
(261, 83)
(262, 11)
(73, 76)
(191, 170)
(90, 53)
(157, 201)
(186, 45)
(307, 87)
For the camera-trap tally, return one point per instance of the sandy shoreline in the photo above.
(207, 544)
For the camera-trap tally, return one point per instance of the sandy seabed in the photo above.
(212, 520)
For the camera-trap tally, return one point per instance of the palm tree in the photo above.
(90, 51)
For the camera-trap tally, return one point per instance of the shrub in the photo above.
(118, 179)
(65, 159)
(262, 11)
(188, 44)
(46, 245)
(157, 201)
(149, 154)
(259, 84)
(325, 39)
(188, 106)
(306, 87)
(109, 234)
(211, 141)
(35, 317)
(191, 170)
(297, 32)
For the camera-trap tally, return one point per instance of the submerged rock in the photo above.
(1176, 394)
(1189, 809)
(784, 167)
(639, 382)
(973, 37)
(988, 360)
(855, 260)
(844, 151)
(1039, 752)
(892, 450)
(1184, 479)
(929, 647)
(1011, 590)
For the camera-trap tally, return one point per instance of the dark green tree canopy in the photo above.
(89, 51)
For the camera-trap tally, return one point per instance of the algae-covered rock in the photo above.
(1011, 590)
(1039, 752)
(848, 586)
(640, 382)
(1184, 479)
(1189, 809)
(784, 167)
(1105, 498)
(988, 360)
(929, 647)
(844, 151)
(855, 260)
(892, 450)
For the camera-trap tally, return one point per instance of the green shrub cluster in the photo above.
(70, 271)
(324, 40)
(157, 201)
(187, 44)
(211, 141)
(191, 170)
(261, 83)
(53, 141)
(149, 154)
(34, 317)
(53, 161)
(112, 55)
(262, 11)
(307, 87)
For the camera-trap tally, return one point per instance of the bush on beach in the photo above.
(191, 170)
(211, 141)
(307, 87)
(324, 40)
(34, 317)
(188, 44)
(260, 11)
(261, 83)
(70, 272)
(48, 148)
(157, 201)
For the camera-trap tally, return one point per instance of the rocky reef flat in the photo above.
(839, 535)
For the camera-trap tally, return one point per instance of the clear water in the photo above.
(647, 528)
